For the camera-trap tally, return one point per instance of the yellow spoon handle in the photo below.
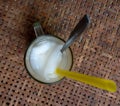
(104, 84)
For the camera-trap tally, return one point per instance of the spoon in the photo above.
(101, 83)
(80, 27)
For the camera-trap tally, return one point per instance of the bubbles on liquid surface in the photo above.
(45, 58)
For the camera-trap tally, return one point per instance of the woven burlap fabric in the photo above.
(98, 54)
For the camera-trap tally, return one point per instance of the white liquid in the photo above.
(45, 57)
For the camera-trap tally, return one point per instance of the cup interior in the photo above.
(67, 59)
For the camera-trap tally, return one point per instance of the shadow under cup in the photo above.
(66, 61)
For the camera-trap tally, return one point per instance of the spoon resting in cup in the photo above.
(77, 31)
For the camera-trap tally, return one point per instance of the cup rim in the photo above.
(28, 69)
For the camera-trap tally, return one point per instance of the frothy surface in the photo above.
(45, 57)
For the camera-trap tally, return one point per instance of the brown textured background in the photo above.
(98, 54)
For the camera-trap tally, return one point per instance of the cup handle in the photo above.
(38, 29)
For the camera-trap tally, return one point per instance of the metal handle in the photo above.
(80, 27)
(38, 29)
